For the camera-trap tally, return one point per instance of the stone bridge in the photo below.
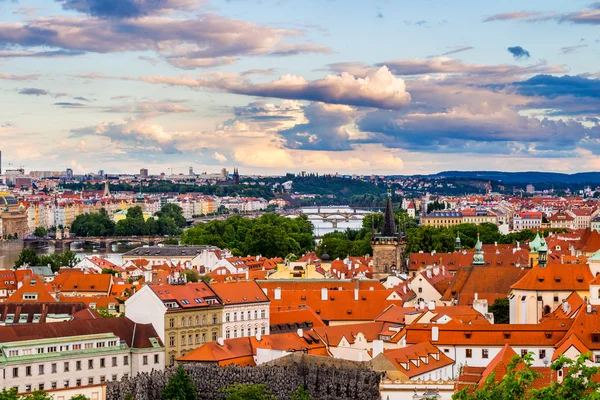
(104, 242)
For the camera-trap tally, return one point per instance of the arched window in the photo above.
(204, 320)
(182, 321)
(190, 321)
(197, 320)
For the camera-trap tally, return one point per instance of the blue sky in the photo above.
(273, 86)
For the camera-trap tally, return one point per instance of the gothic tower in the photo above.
(236, 177)
(388, 246)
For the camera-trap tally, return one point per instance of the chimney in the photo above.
(436, 270)
(476, 296)
(377, 347)
(277, 293)
(300, 332)
(324, 294)
(247, 274)
(432, 305)
(355, 294)
(220, 341)
(435, 334)
(422, 305)
(258, 337)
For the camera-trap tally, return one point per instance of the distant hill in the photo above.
(520, 177)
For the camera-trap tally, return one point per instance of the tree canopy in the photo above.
(180, 387)
(269, 235)
(29, 257)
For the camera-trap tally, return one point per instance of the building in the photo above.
(388, 246)
(13, 218)
(561, 220)
(527, 220)
(158, 255)
(442, 219)
(245, 309)
(184, 316)
(77, 353)
(144, 173)
(530, 189)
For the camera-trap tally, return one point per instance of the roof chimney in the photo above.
(258, 337)
(220, 341)
(300, 332)
(355, 294)
(435, 334)
(324, 294)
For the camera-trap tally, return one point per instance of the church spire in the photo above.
(389, 224)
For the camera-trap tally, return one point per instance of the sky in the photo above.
(276, 86)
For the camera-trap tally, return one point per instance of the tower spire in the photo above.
(389, 224)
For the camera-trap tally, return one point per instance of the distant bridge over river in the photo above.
(103, 242)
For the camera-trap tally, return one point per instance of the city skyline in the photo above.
(272, 87)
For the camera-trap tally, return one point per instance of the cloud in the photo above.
(12, 77)
(379, 88)
(126, 8)
(571, 49)
(259, 71)
(518, 52)
(458, 50)
(205, 41)
(40, 54)
(552, 86)
(587, 16)
(219, 157)
(65, 104)
(444, 65)
(34, 92)
(151, 108)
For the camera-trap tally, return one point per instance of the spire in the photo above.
(478, 257)
(106, 189)
(458, 244)
(389, 224)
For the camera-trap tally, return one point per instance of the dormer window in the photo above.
(506, 335)
(468, 335)
(595, 338)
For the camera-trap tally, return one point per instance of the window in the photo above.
(182, 321)
(241, 316)
(54, 385)
(190, 340)
(66, 383)
(125, 360)
(171, 341)
(28, 371)
(171, 360)
(114, 361)
(262, 314)
(41, 369)
(102, 379)
(263, 330)
(214, 336)
(597, 358)
(171, 323)
(125, 376)
(114, 378)
(156, 358)
(484, 353)
(197, 320)
(523, 352)
(89, 345)
(542, 354)
(255, 314)
(595, 338)
(91, 380)
(227, 334)
(90, 364)
(145, 360)
(190, 321)
(226, 317)
(15, 372)
(52, 349)
(78, 382)
(77, 366)
(41, 386)
(102, 363)
(77, 346)
(66, 366)
(197, 338)
(28, 388)
(40, 350)
(468, 353)
(214, 318)
(204, 338)
(235, 316)
(204, 320)
(420, 290)
(183, 340)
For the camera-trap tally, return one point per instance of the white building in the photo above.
(246, 309)
(77, 353)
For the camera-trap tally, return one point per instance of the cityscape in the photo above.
(317, 200)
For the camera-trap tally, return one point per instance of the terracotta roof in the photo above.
(586, 327)
(27, 312)
(242, 350)
(187, 296)
(239, 292)
(332, 335)
(304, 315)
(135, 335)
(99, 283)
(416, 359)
(570, 341)
(487, 281)
(556, 277)
(31, 285)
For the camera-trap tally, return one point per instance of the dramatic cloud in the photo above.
(205, 41)
(126, 8)
(219, 157)
(379, 88)
(151, 108)
(552, 86)
(34, 92)
(518, 52)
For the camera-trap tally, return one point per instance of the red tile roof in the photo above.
(239, 292)
(556, 277)
(187, 296)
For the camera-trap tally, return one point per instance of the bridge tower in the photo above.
(388, 246)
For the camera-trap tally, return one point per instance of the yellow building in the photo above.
(439, 219)
(121, 215)
(297, 270)
(185, 316)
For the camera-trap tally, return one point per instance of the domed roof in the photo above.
(536, 243)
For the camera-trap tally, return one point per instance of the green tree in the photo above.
(205, 278)
(38, 395)
(247, 391)
(578, 382)
(191, 275)
(93, 224)
(179, 387)
(104, 313)
(174, 212)
(9, 394)
(28, 256)
(301, 394)
(500, 309)
(40, 231)
(79, 397)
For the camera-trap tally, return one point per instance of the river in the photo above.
(8, 257)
